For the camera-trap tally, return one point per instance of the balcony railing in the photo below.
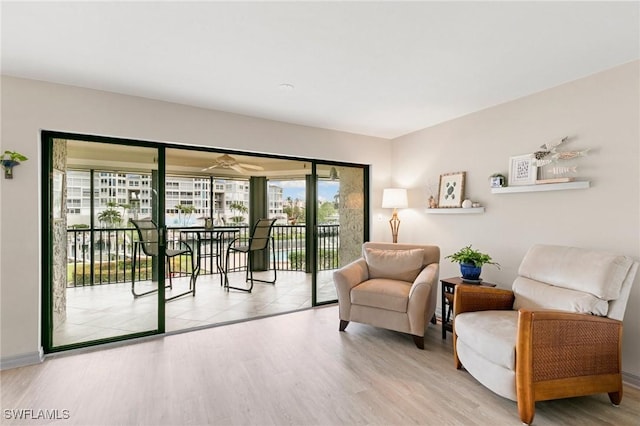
(104, 256)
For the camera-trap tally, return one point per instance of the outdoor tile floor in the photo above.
(105, 311)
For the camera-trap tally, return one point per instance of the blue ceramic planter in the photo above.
(470, 271)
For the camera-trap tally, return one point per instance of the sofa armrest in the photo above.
(562, 354)
(422, 298)
(345, 279)
(470, 298)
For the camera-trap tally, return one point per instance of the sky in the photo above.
(296, 189)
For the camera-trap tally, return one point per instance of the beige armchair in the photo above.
(392, 286)
(556, 334)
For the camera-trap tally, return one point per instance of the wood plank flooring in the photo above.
(293, 369)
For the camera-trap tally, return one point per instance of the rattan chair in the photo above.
(556, 334)
(148, 238)
(259, 240)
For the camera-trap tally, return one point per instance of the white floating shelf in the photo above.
(581, 184)
(472, 210)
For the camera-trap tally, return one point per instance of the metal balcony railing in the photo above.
(104, 256)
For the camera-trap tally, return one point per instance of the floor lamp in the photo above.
(394, 198)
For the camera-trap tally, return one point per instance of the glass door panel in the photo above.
(341, 223)
(97, 257)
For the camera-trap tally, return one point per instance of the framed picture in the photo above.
(451, 190)
(522, 170)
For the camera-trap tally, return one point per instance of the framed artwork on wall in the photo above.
(522, 170)
(451, 190)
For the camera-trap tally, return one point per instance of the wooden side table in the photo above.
(448, 288)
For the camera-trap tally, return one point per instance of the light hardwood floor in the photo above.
(292, 369)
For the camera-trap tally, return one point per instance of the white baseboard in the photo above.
(23, 360)
(631, 380)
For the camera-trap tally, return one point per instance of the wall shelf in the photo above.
(472, 210)
(581, 184)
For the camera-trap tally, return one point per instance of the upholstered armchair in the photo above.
(391, 286)
(556, 334)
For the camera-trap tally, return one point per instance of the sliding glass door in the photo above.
(103, 274)
(341, 224)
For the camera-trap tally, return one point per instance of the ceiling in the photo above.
(375, 68)
(82, 155)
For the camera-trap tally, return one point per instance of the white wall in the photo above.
(600, 112)
(30, 106)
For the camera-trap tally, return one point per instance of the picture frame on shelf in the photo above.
(522, 170)
(451, 190)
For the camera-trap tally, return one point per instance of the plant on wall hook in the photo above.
(9, 160)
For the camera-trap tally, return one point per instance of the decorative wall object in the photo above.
(522, 170)
(10, 159)
(451, 192)
(547, 158)
(497, 180)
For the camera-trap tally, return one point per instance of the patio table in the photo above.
(210, 244)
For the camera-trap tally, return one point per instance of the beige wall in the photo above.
(30, 106)
(599, 112)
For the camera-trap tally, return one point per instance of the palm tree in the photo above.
(184, 213)
(239, 207)
(110, 216)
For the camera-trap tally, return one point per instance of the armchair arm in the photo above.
(471, 298)
(422, 298)
(345, 279)
(564, 354)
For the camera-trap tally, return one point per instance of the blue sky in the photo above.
(295, 189)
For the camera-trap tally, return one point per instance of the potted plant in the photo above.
(9, 160)
(471, 261)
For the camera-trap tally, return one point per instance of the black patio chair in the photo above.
(260, 239)
(148, 243)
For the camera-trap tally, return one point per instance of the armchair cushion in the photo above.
(599, 273)
(382, 293)
(534, 295)
(403, 265)
(492, 334)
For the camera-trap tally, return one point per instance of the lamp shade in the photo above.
(394, 198)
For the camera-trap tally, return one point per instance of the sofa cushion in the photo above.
(383, 293)
(596, 272)
(402, 265)
(492, 334)
(530, 294)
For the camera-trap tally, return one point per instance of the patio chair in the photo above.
(260, 239)
(148, 243)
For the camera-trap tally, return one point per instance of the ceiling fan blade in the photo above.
(237, 168)
(251, 166)
(210, 167)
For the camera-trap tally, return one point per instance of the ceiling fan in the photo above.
(228, 162)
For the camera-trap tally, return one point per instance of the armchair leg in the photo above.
(418, 340)
(526, 406)
(615, 397)
(343, 325)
